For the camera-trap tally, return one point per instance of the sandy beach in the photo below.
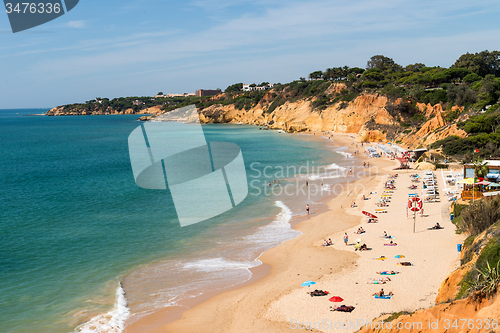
(276, 302)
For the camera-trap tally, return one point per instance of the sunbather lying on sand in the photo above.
(383, 279)
(405, 263)
(387, 273)
(390, 244)
(344, 308)
(318, 293)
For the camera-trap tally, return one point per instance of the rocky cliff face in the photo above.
(301, 116)
(366, 115)
(434, 129)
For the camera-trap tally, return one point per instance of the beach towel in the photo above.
(383, 297)
(380, 258)
(390, 244)
(385, 273)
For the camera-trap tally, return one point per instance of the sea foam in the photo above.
(111, 322)
(277, 231)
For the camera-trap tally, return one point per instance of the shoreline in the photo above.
(260, 274)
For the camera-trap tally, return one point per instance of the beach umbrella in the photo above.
(482, 183)
(336, 299)
(399, 256)
(369, 215)
(493, 185)
(307, 283)
(468, 181)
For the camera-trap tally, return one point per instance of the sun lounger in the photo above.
(381, 210)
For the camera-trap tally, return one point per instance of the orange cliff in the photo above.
(301, 116)
(434, 129)
(366, 115)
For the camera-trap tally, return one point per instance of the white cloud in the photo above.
(76, 24)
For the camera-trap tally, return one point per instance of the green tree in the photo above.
(237, 87)
(414, 67)
(472, 77)
(481, 63)
(160, 93)
(461, 95)
(480, 168)
(316, 75)
(383, 63)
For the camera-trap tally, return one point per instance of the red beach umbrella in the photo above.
(369, 215)
(336, 299)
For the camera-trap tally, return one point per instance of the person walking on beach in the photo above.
(346, 238)
(307, 209)
(307, 183)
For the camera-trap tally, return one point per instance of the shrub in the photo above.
(480, 215)
(487, 279)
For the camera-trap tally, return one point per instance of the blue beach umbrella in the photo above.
(307, 283)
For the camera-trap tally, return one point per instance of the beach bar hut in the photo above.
(493, 175)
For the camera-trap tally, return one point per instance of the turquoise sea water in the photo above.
(73, 224)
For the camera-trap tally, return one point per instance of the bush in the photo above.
(480, 215)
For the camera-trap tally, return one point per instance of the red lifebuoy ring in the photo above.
(416, 207)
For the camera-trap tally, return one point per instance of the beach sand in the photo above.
(277, 303)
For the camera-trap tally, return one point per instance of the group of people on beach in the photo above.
(360, 231)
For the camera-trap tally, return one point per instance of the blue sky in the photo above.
(140, 47)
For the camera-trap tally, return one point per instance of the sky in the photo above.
(118, 48)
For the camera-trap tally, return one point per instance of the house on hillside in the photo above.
(203, 92)
(251, 87)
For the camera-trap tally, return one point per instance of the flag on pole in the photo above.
(475, 151)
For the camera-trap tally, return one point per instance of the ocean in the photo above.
(84, 249)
